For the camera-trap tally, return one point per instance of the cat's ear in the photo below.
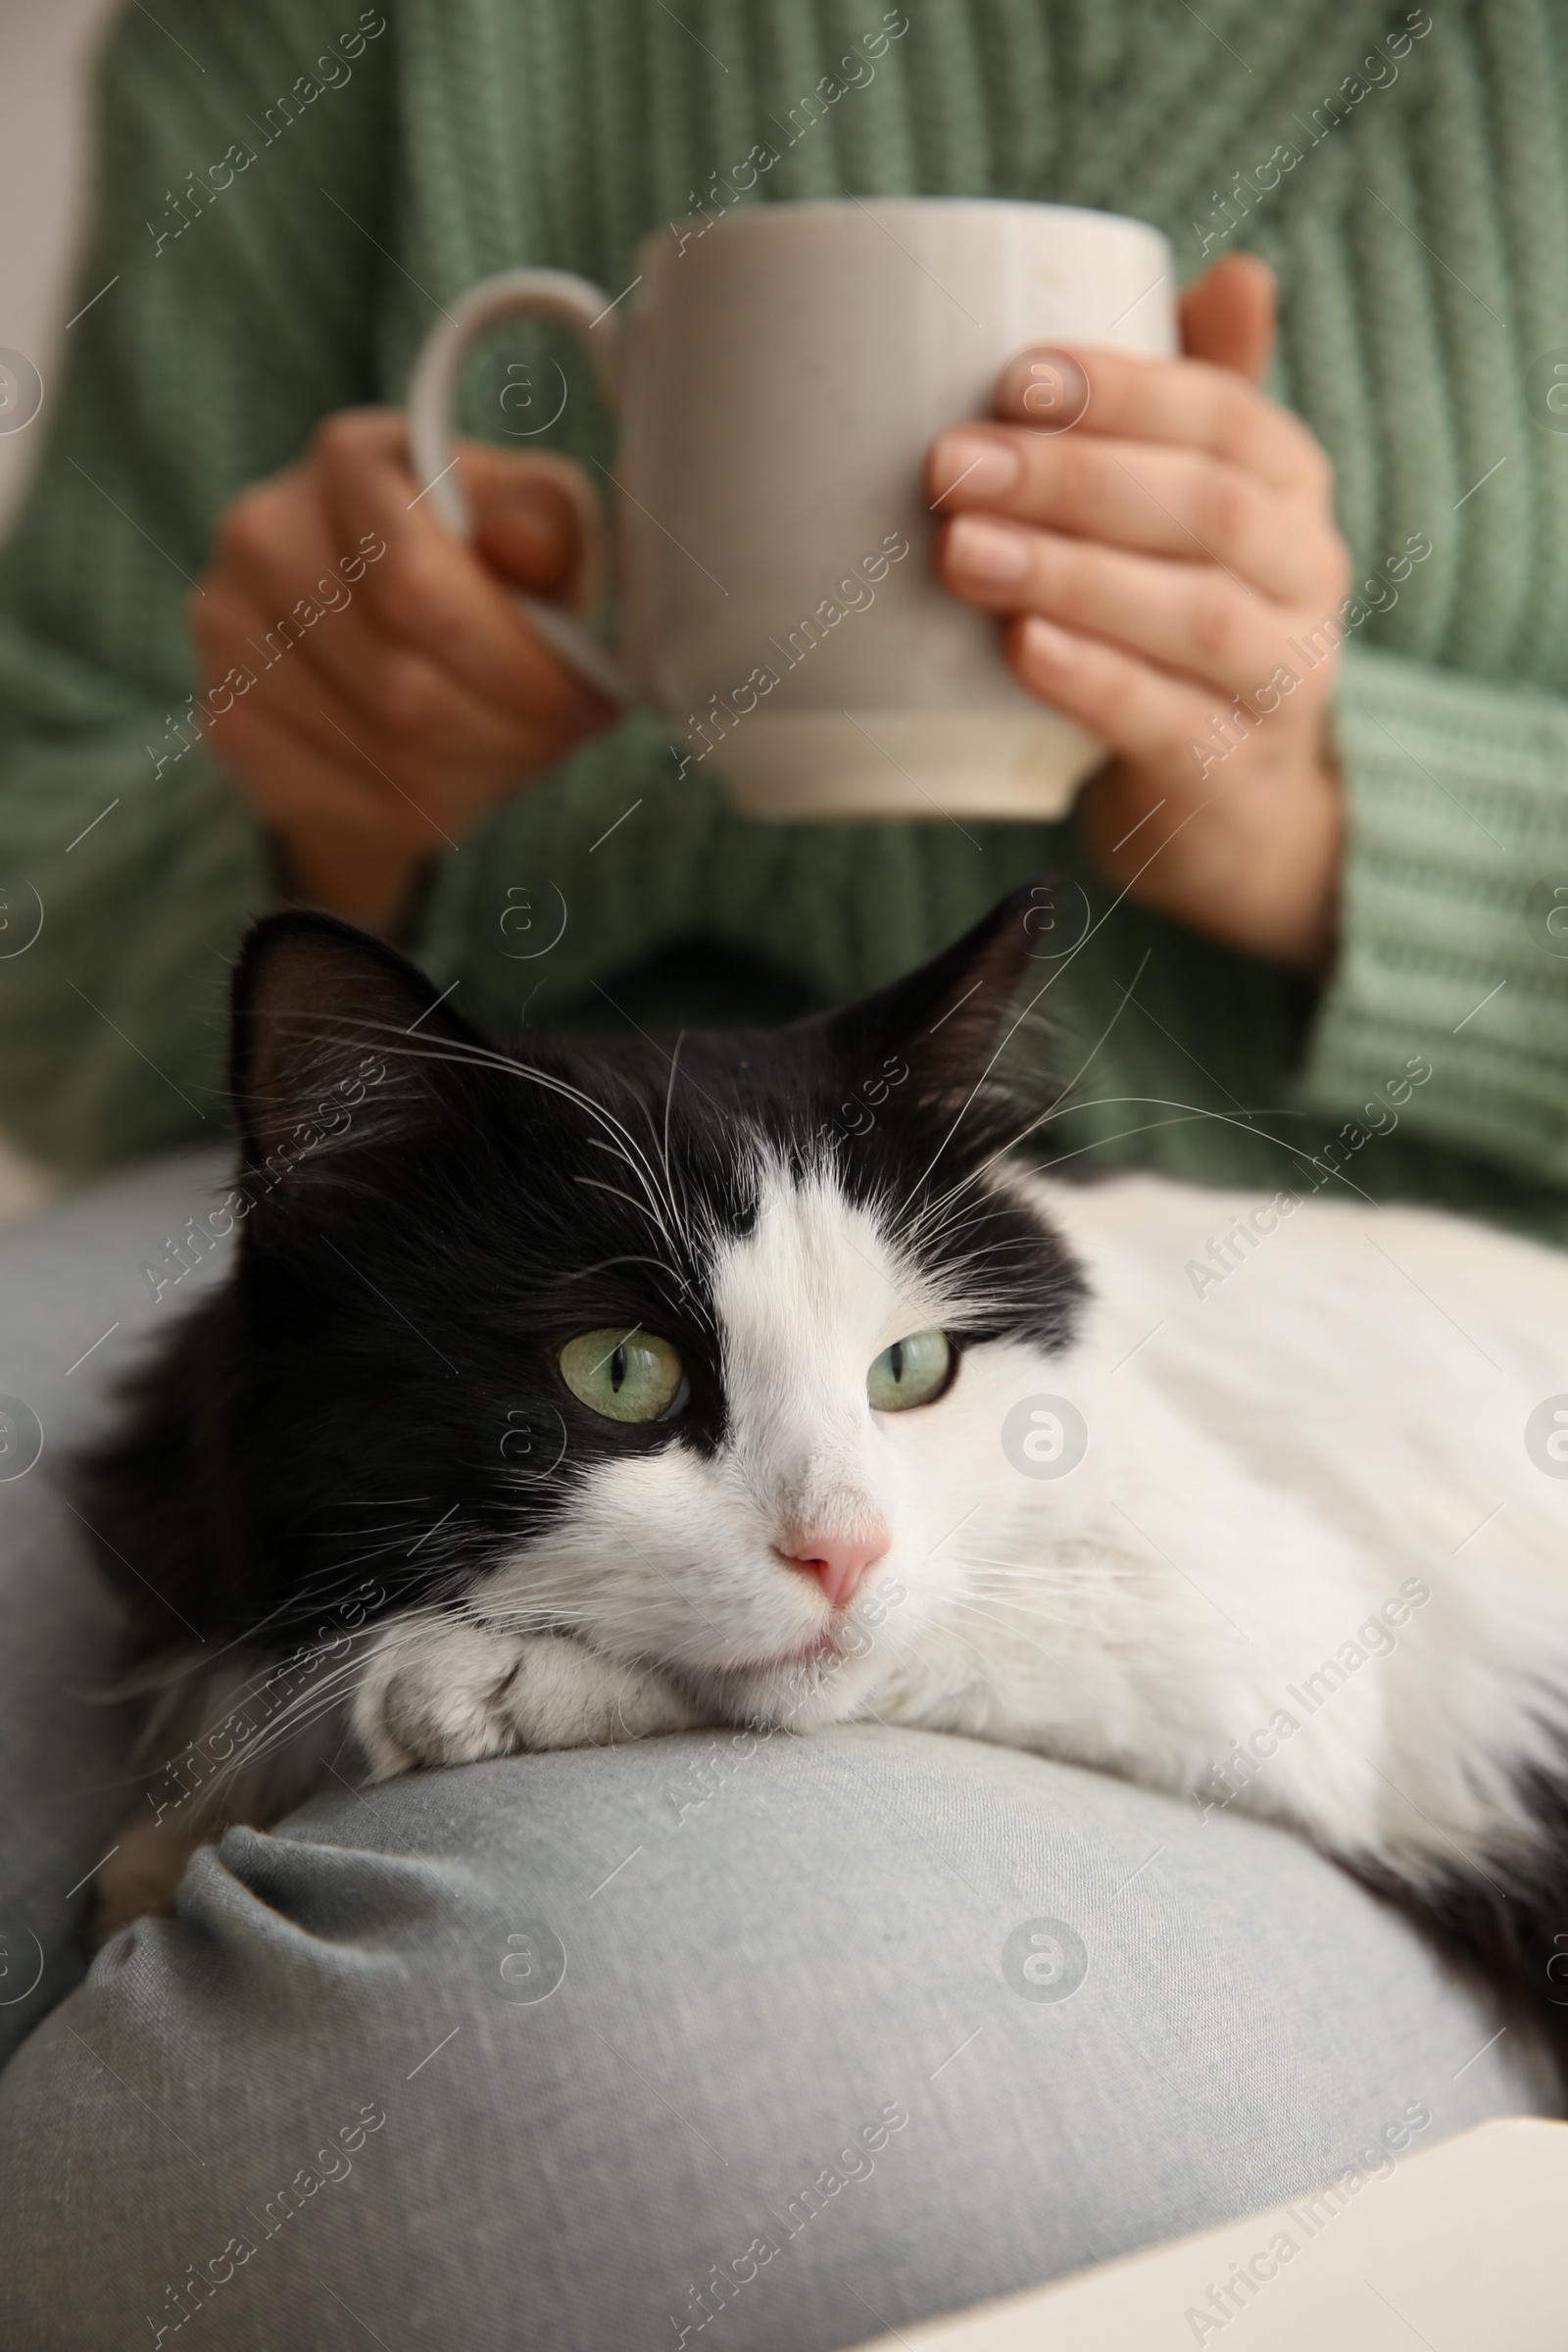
(954, 1019)
(334, 1033)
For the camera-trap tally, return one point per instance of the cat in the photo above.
(617, 1389)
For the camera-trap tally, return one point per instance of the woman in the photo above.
(1322, 892)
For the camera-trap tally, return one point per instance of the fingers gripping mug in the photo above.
(779, 375)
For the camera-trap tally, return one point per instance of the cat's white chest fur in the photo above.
(1268, 1531)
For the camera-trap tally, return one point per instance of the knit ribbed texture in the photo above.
(1423, 270)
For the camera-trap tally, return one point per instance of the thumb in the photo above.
(1227, 316)
(536, 520)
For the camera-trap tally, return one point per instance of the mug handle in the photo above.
(567, 301)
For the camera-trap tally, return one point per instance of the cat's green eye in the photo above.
(911, 1372)
(625, 1375)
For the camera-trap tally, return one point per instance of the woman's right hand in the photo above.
(380, 731)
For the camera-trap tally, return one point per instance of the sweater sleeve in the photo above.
(1454, 947)
(226, 302)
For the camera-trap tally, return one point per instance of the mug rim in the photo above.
(746, 217)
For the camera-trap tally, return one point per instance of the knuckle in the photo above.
(339, 440)
(1059, 579)
(412, 582)
(1316, 467)
(1326, 571)
(410, 697)
(1337, 568)
(1235, 414)
(1079, 483)
(1216, 622)
(1231, 510)
(1191, 724)
(246, 530)
(1336, 577)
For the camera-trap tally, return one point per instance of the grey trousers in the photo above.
(781, 2043)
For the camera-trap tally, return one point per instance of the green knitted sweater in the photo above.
(288, 195)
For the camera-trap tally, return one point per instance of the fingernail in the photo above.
(992, 552)
(1045, 643)
(984, 466)
(1050, 388)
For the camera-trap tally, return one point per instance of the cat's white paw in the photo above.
(441, 1690)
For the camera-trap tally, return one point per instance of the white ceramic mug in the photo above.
(779, 375)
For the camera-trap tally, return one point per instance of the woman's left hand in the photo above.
(1153, 532)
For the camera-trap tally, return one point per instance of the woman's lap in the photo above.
(787, 2035)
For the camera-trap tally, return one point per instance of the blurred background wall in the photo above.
(46, 49)
(46, 53)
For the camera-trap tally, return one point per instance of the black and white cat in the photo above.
(617, 1390)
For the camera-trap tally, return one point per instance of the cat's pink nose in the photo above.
(838, 1562)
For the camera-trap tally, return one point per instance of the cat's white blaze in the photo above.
(1272, 1468)
(799, 1301)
